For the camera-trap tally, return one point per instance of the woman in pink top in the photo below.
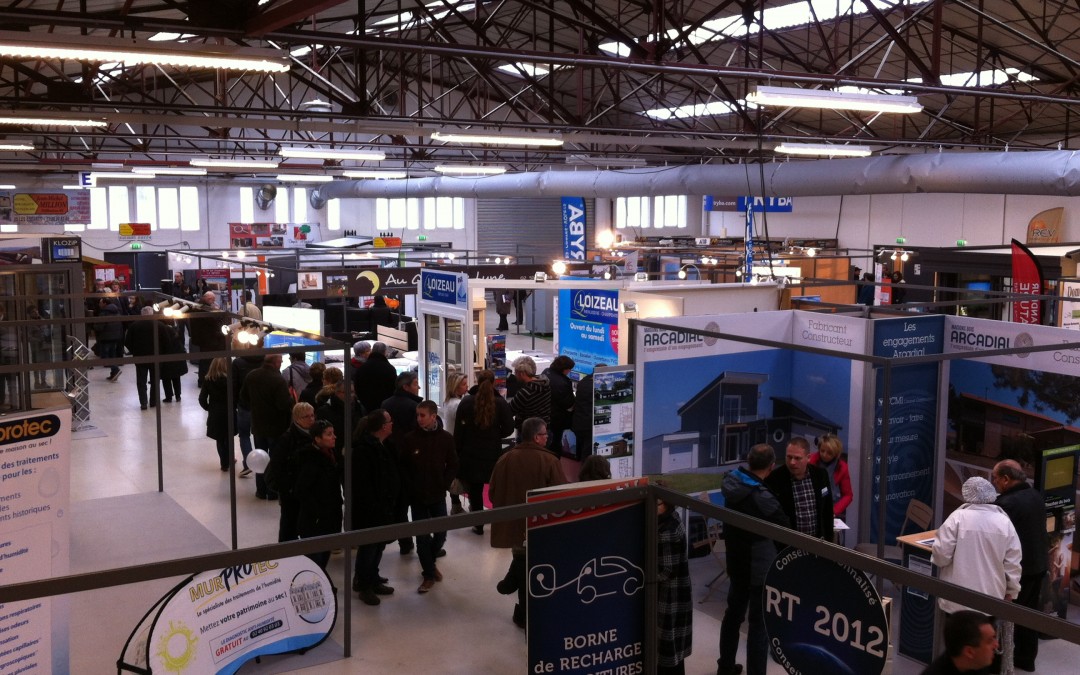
(828, 458)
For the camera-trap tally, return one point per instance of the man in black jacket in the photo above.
(139, 340)
(375, 379)
(804, 492)
(1027, 511)
(748, 559)
(402, 409)
(285, 467)
(266, 394)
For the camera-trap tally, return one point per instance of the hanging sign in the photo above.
(573, 218)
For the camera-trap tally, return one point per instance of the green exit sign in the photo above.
(136, 245)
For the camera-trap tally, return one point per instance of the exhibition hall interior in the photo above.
(721, 228)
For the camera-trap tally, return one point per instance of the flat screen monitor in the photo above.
(978, 286)
(1059, 472)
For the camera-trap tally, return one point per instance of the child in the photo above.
(674, 610)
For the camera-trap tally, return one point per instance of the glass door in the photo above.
(47, 300)
(10, 396)
(433, 332)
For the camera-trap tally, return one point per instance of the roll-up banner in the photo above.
(1027, 279)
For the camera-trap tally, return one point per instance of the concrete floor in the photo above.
(463, 626)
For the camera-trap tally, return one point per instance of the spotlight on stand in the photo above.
(612, 272)
(683, 274)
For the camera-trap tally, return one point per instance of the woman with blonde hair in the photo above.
(214, 399)
(828, 457)
(456, 387)
(482, 421)
(331, 377)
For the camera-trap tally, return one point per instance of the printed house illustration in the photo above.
(720, 423)
(993, 430)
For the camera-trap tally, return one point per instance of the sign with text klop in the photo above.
(35, 451)
(216, 621)
(912, 416)
(589, 327)
(573, 219)
(836, 624)
(444, 287)
(586, 592)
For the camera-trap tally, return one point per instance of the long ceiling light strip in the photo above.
(456, 170)
(235, 163)
(484, 139)
(109, 50)
(16, 147)
(170, 170)
(303, 178)
(823, 150)
(28, 119)
(791, 97)
(329, 153)
(375, 174)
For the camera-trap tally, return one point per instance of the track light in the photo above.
(211, 163)
(823, 150)
(331, 153)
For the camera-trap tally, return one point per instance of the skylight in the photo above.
(415, 18)
(530, 69)
(693, 110)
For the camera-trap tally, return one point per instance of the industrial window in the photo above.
(299, 205)
(168, 203)
(99, 209)
(431, 213)
(667, 211)
(190, 210)
(146, 205)
(281, 207)
(118, 206)
(333, 214)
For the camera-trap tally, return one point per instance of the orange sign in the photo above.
(52, 204)
(141, 230)
(387, 242)
(1045, 226)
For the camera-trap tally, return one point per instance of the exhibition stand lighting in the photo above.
(235, 163)
(612, 272)
(682, 270)
(52, 47)
(823, 150)
(558, 267)
(330, 153)
(30, 119)
(895, 253)
(460, 170)
(486, 139)
(792, 97)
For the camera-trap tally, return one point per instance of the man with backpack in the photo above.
(280, 474)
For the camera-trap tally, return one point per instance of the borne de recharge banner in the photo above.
(216, 621)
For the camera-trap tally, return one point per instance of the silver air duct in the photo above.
(1030, 173)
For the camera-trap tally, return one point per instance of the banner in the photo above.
(589, 328)
(216, 621)
(586, 593)
(443, 287)
(833, 624)
(35, 451)
(739, 204)
(47, 207)
(913, 405)
(573, 220)
(1027, 279)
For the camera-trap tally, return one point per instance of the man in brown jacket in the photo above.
(527, 466)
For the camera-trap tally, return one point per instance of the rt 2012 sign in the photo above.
(823, 617)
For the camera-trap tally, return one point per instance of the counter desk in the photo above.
(918, 609)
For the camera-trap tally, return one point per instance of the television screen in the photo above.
(1059, 472)
(978, 285)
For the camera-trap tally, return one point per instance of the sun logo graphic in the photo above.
(176, 648)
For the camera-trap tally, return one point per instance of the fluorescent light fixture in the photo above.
(328, 153)
(823, 149)
(464, 170)
(235, 163)
(7, 187)
(51, 47)
(485, 139)
(589, 160)
(791, 97)
(29, 119)
(170, 170)
(303, 178)
(95, 176)
(375, 174)
(16, 147)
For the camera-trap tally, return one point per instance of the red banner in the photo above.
(1027, 279)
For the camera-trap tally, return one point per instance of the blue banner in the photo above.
(589, 328)
(573, 223)
(587, 593)
(442, 287)
(767, 204)
(912, 417)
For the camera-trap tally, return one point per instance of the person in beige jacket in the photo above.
(526, 466)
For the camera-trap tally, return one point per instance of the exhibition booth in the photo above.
(920, 402)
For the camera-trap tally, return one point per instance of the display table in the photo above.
(918, 608)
